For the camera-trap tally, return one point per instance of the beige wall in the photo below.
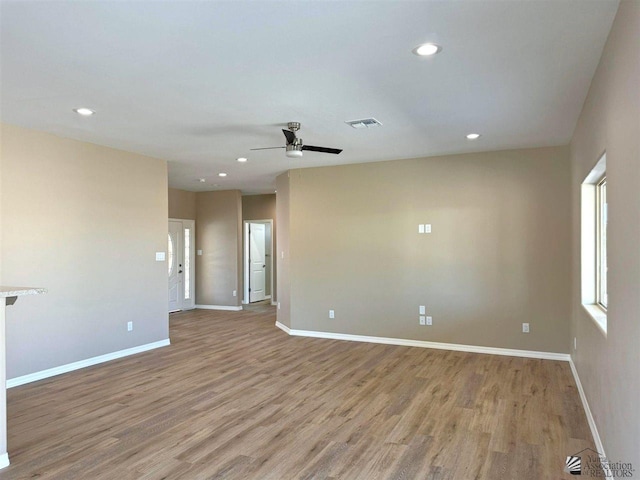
(282, 254)
(259, 207)
(182, 204)
(609, 367)
(263, 207)
(85, 222)
(498, 255)
(219, 236)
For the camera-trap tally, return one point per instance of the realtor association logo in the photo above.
(590, 463)
(573, 465)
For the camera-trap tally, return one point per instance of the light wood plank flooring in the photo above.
(233, 397)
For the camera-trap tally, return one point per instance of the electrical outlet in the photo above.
(235, 293)
(129, 326)
(429, 321)
(421, 228)
(332, 314)
(525, 328)
(427, 228)
(422, 320)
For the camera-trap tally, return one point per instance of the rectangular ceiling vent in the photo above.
(364, 123)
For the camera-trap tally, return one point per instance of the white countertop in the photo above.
(19, 291)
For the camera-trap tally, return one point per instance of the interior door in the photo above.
(257, 265)
(175, 262)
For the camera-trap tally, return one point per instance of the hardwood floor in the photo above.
(233, 397)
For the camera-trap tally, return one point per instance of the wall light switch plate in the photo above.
(429, 321)
(159, 256)
(421, 228)
(525, 328)
(199, 252)
(129, 326)
(332, 314)
(423, 309)
(235, 293)
(427, 228)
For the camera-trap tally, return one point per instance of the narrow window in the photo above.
(187, 266)
(601, 242)
(170, 254)
(593, 236)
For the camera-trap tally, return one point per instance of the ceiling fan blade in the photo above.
(265, 148)
(311, 148)
(291, 137)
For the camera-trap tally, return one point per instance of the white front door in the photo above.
(181, 261)
(257, 265)
(175, 254)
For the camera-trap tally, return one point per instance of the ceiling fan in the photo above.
(294, 146)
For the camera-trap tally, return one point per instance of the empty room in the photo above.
(307, 239)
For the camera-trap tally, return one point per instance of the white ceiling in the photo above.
(201, 83)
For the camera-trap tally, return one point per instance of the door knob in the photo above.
(179, 271)
(263, 266)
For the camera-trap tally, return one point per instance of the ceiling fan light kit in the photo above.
(293, 151)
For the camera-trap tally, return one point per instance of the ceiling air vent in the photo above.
(364, 123)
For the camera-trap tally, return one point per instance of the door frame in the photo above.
(188, 304)
(245, 260)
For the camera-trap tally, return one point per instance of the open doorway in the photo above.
(258, 260)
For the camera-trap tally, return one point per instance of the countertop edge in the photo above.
(20, 291)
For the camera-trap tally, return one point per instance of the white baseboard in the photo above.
(592, 423)
(4, 460)
(231, 308)
(70, 367)
(283, 327)
(185, 309)
(565, 357)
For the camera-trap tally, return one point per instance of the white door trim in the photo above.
(245, 259)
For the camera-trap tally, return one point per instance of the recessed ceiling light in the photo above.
(85, 112)
(241, 159)
(427, 49)
(473, 136)
(222, 174)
